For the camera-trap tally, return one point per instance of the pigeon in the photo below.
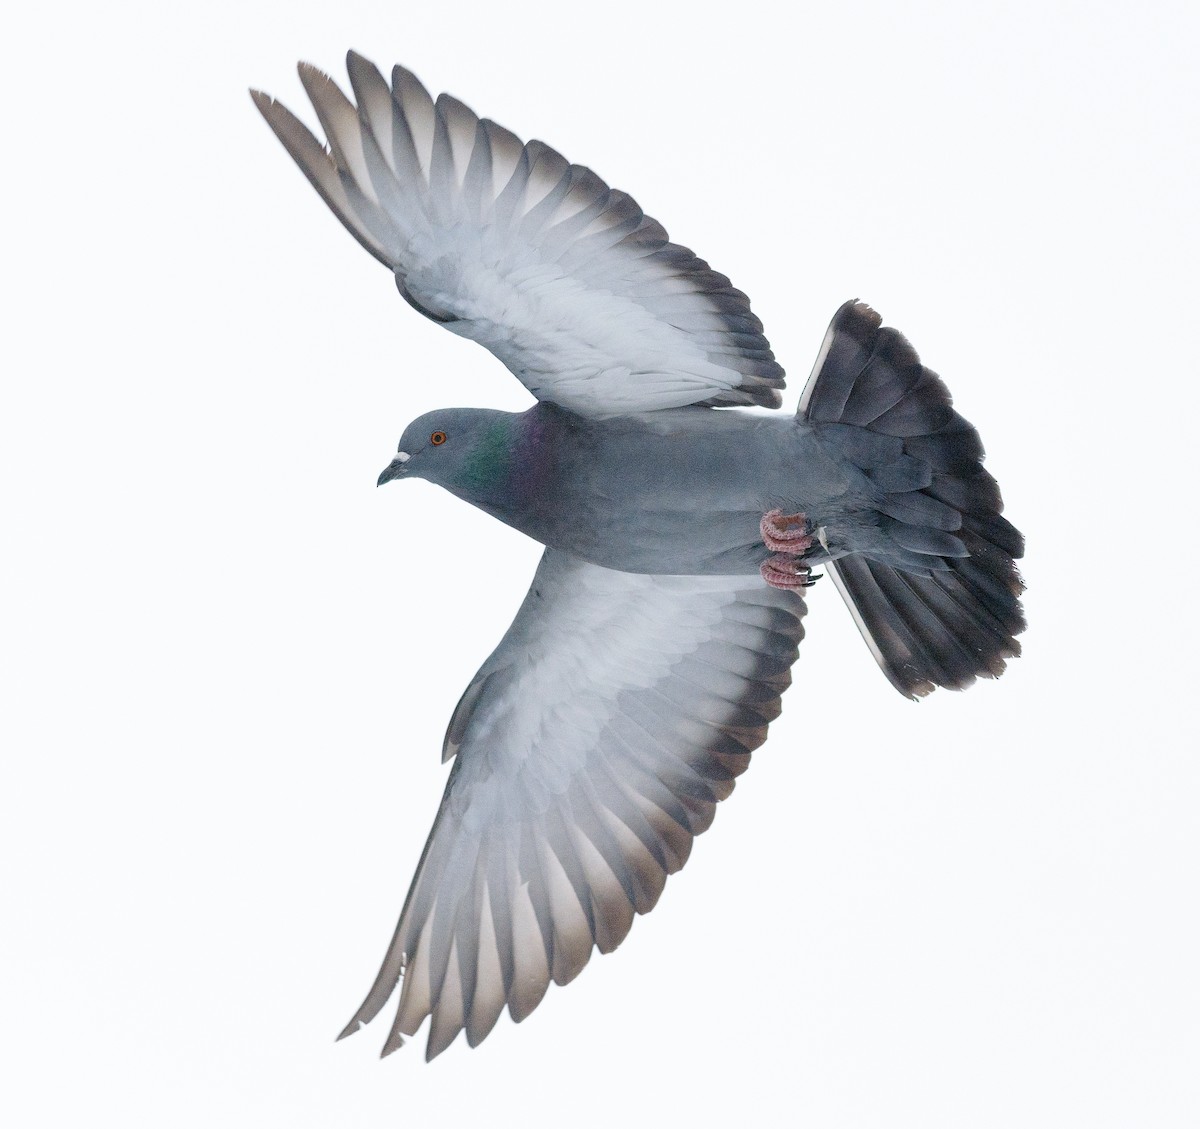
(681, 524)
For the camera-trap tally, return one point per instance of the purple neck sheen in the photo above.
(534, 447)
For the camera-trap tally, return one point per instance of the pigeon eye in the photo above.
(438, 438)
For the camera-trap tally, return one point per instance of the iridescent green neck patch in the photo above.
(490, 460)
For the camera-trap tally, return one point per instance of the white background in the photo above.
(228, 659)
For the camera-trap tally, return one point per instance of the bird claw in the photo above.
(787, 572)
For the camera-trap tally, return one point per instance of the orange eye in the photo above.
(438, 438)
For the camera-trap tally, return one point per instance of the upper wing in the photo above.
(566, 281)
(592, 746)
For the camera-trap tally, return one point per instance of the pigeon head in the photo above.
(469, 451)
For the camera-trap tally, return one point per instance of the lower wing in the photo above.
(589, 751)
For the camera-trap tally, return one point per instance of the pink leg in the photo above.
(785, 533)
(787, 536)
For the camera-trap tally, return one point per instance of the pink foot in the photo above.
(787, 572)
(787, 536)
(785, 533)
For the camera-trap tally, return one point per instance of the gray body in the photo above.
(676, 492)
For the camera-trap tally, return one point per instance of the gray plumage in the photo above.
(650, 654)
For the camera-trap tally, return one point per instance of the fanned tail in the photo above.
(937, 600)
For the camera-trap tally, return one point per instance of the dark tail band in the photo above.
(938, 603)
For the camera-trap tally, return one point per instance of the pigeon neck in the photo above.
(511, 466)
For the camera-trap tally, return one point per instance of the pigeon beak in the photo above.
(395, 468)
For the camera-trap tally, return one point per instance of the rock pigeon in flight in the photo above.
(657, 637)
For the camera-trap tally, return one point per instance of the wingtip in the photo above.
(310, 75)
(262, 100)
(361, 70)
(353, 1026)
(403, 78)
(433, 1047)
